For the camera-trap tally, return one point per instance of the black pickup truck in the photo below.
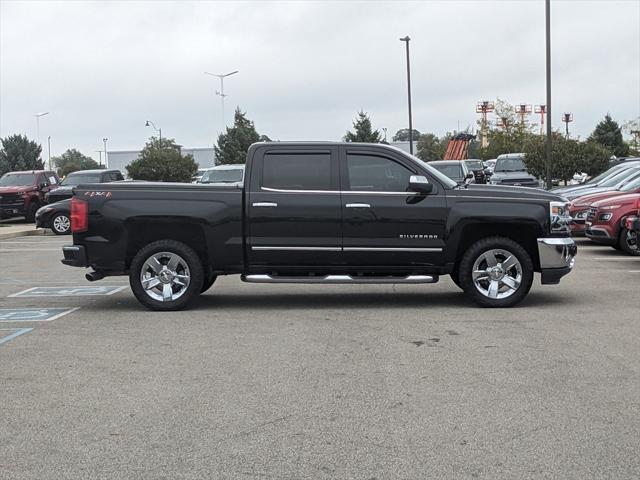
(321, 213)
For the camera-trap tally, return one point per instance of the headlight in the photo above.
(610, 207)
(581, 215)
(605, 217)
(559, 216)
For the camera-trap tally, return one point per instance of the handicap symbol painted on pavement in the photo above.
(33, 314)
(68, 291)
(7, 334)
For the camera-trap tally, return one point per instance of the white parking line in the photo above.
(14, 315)
(16, 333)
(626, 259)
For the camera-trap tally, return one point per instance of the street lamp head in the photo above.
(147, 124)
(41, 114)
(405, 39)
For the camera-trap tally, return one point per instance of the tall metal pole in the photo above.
(221, 92)
(547, 10)
(104, 140)
(406, 40)
(49, 147)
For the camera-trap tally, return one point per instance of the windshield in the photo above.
(618, 178)
(77, 179)
(18, 180)
(632, 184)
(223, 176)
(474, 164)
(454, 172)
(510, 165)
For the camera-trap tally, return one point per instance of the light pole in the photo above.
(567, 118)
(49, 150)
(38, 115)
(222, 76)
(159, 130)
(104, 140)
(99, 152)
(547, 14)
(406, 40)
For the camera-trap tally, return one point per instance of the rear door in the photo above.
(293, 208)
(384, 223)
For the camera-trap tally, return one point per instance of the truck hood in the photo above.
(627, 199)
(64, 189)
(504, 191)
(21, 189)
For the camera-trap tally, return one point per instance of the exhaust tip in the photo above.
(93, 276)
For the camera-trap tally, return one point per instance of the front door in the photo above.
(384, 224)
(294, 208)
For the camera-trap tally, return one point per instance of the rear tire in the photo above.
(61, 224)
(628, 242)
(166, 275)
(496, 272)
(206, 285)
(30, 215)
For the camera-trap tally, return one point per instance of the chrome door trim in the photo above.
(338, 192)
(264, 204)
(357, 205)
(392, 249)
(309, 249)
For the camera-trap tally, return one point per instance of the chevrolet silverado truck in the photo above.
(22, 193)
(326, 213)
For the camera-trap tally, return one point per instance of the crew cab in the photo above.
(22, 193)
(322, 213)
(606, 219)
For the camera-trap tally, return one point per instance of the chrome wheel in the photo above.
(165, 276)
(497, 274)
(61, 224)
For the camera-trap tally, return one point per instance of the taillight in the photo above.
(79, 215)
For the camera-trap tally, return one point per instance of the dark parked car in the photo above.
(481, 173)
(511, 170)
(456, 170)
(321, 213)
(22, 193)
(56, 216)
(82, 176)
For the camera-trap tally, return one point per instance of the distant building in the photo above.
(119, 159)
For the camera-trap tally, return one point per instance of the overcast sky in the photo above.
(102, 68)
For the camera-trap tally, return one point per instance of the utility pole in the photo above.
(567, 118)
(541, 109)
(484, 108)
(547, 11)
(407, 40)
(49, 150)
(104, 140)
(221, 93)
(99, 152)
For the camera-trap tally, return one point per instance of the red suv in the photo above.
(22, 193)
(606, 221)
(579, 207)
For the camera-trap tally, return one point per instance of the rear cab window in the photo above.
(296, 171)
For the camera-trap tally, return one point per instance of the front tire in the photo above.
(61, 224)
(166, 275)
(628, 242)
(496, 272)
(30, 215)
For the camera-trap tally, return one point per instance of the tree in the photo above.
(363, 131)
(71, 161)
(19, 153)
(233, 145)
(402, 135)
(609, 134)
(430, 147)
(161, 160)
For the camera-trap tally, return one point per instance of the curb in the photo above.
(22, 233)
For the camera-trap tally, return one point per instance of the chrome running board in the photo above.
(339, 279)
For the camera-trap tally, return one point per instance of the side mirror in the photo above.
(420, 184)
(42, 185)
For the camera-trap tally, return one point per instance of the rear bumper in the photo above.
(74, 256)
(557, 257)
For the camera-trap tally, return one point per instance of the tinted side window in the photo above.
(376, 174)
(297, 171)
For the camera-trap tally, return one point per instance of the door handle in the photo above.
(265, 204)
(358, 205)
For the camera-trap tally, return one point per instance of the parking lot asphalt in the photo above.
(315, 382)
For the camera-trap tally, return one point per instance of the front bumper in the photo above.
(74, 255)
(557, 257)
